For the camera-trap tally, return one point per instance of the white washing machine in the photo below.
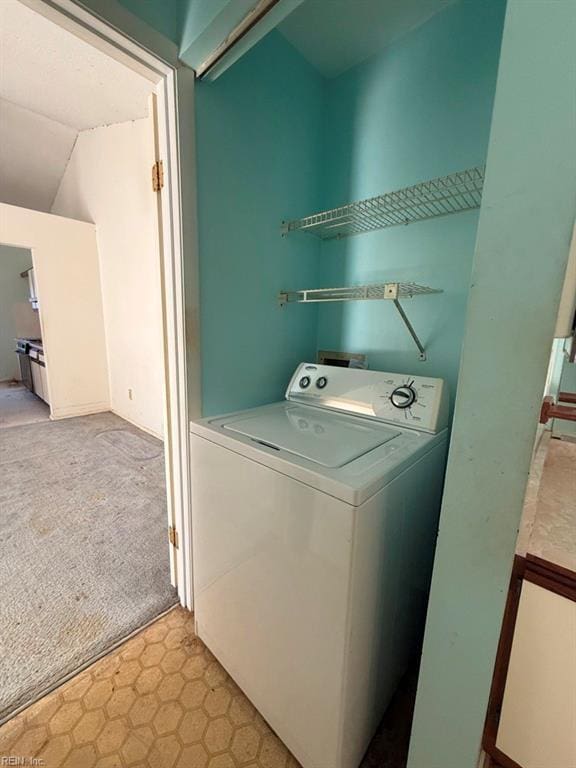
(314, 525)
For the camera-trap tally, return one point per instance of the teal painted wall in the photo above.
(165, 16)
(259, 138)
(420, 108)
(417, 110)
(197, 15)
(519, 264)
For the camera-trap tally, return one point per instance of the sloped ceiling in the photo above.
(34, 151)
(335, 35)
(53, 85)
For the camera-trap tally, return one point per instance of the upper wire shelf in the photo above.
(457, 192)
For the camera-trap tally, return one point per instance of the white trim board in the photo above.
(141, 48)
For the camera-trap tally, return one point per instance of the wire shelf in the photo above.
(455, 193)
(378, 291)
(375, 291)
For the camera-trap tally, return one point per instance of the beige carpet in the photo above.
(19, 406)
(83, 547)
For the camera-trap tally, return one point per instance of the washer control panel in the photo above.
(416, 402)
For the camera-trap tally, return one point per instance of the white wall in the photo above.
(65, 260)
(108, 181)
(17, 318)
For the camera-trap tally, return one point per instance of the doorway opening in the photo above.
(22, 369)
(95, 459)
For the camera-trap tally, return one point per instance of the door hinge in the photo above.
(157, 176)
(173, 536)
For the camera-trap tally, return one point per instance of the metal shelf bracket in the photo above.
(411, 331)
(379, 291)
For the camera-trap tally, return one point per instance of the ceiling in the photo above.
(53, 85)
(34, 152)
(334, 35)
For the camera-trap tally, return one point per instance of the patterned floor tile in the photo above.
(161, 700)
(158, 701)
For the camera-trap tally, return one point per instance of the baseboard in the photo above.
(92, 408)
(78, 410)
(138, 426)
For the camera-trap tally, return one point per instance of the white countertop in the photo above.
(548, 527)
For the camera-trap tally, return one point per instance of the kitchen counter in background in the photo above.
(548, 527)
(33, 366)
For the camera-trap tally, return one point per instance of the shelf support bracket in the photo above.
(411, 330)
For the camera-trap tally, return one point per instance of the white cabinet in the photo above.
(37, 378)
(538, 719)
(44, 378)
(531, 718)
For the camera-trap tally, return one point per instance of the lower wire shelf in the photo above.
(375, 291)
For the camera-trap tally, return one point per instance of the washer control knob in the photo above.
(321, 382)
(304, 382)
(403, 396)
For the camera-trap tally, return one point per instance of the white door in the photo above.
(538, 720)
(181, 366)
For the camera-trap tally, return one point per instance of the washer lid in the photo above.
(329, 439)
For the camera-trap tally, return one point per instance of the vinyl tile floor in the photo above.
(161, 700)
